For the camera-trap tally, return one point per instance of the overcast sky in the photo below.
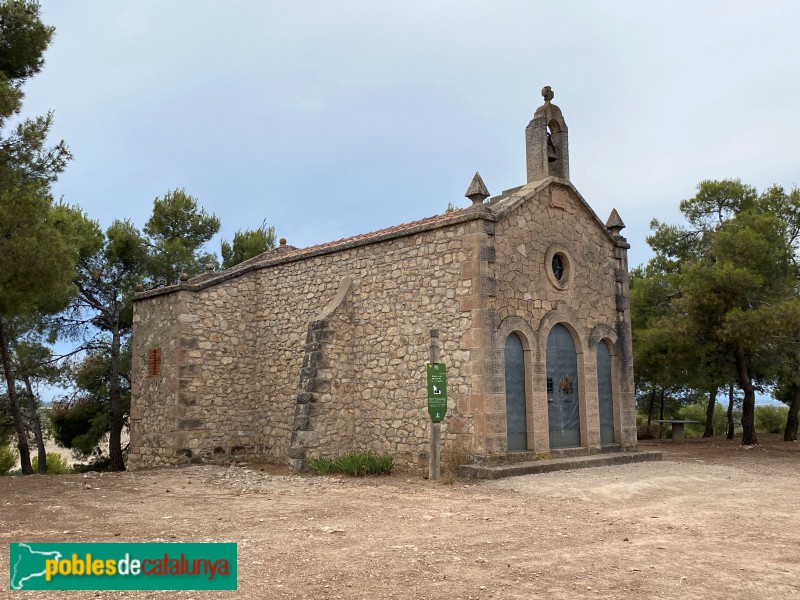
(330, 119)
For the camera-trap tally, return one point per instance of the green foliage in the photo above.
(719, 300)
(56, 464)
(91, 374)
(31, 273)
(37, 255)
(177, 230)
(8, 458)
(247, 244)
(33, 359)
(450, 208)
(697, 412)
(111, 264)
(82, 422)
(366, 463)
(785, 392)
(323, 466)
(716, 202)
(770, 419)
(357, 464)
(23, 40)
(97, 463)
(80, 425)
(673, 399)
(673, 355)
(33, 276)
(6, 421)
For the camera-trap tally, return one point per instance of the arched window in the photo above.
(563, 405)
(516, 422)
(605, 393)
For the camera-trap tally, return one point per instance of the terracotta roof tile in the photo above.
(283, 254)
(360, 239)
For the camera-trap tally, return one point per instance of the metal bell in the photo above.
(551, 151)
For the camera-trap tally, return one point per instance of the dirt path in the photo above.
(712, 520)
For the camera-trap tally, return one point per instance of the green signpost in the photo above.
(437, 391)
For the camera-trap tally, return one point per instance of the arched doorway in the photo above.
(563, 405)
(605, 393)
(516, 423)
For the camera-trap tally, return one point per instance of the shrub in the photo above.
(770, 419)
(56, 464)
(98, 462)
(8, 458)
(454, 455)
(697, 412)
(80, 425)
(357, 464)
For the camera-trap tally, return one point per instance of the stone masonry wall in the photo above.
(164, 317)
(326, 355)
(234, 384)
(530, 301)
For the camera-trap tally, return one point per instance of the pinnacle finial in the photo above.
(477, 191)
(615, 221)
(547, 93)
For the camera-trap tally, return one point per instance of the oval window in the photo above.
(558, 266)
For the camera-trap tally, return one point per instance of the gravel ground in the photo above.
(713, 520)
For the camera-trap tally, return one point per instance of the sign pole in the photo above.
(434, 464)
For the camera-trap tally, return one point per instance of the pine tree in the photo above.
(34, 276)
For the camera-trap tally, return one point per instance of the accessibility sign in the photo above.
(437, 391)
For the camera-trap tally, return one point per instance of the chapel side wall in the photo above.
(246, 338)
(155, 414)
(371, 392)
(191, 413)
(526, 297)
(372, 380)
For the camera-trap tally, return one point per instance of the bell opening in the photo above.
(551, 150)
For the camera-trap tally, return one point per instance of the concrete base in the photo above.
(556, 464)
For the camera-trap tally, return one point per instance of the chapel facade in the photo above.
(321, 351)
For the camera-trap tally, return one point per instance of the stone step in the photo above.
(534, 467)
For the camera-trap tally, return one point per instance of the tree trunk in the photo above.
(13, 403)
(712, 404)
(650, 411)
(37, 426)
(115, 398)
(661, 415)
(790, 433)
(731, 426)
(749, 403)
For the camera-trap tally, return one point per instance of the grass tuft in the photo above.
(357, 464)
(323, 466)
(454, 455)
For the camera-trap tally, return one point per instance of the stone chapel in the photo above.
(307, 352)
